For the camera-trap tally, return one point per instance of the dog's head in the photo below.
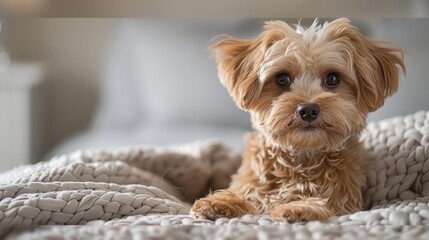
(309, 88)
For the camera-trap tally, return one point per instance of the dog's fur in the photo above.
(288, 171)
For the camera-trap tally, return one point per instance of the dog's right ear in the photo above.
(239, 60)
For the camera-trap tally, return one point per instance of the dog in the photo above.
(308, 92)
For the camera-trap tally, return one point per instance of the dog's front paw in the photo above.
(300, 211)
(221, 204)
(206, 210)
(289, 214)
(211, 209)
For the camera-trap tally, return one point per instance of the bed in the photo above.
(146, 192)
(157, 143)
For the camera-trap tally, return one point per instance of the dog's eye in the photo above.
(283, 79)
(332, 80)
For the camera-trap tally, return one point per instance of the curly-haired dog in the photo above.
(308, 93)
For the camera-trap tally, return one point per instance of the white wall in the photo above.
(73, 51)
(412, 35)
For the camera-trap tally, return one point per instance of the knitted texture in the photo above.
(131, 192)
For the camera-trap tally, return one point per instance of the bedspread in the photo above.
(147, 192)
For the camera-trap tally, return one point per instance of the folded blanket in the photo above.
(143, 186)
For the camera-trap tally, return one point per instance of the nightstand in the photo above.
(22, 139)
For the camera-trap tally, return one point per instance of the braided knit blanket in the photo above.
(147, 192)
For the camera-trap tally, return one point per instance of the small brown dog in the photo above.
(308, 93)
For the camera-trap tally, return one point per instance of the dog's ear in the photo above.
(239, 60)
(378, 64)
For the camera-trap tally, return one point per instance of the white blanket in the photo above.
(107, 192)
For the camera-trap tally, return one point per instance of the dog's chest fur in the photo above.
(270, 176)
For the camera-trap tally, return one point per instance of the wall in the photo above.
(74, 51)
(412, 36)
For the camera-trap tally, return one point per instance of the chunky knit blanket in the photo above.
(144, 192)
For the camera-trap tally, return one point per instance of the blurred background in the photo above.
(85, 83)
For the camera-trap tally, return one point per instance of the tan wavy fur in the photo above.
(288, 171)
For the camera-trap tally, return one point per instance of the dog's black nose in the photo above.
(308, 111)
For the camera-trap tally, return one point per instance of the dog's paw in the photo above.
(289, 214)
(221, 204)
(203, 209)
(212, 210)
(299, 212)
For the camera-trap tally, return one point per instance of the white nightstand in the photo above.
(22, 139)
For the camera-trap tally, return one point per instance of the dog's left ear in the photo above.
(239, 60)
(378, 64)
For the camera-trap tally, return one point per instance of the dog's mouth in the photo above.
(309, 128)
(313, 127)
